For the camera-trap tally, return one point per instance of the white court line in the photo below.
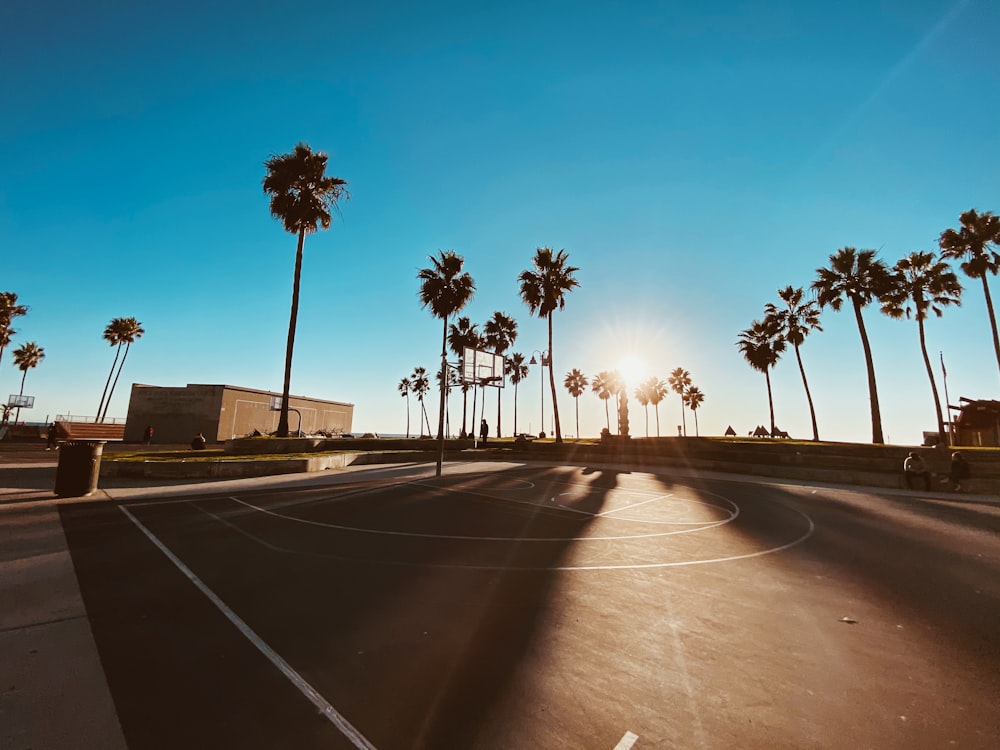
(346, 728)
(627, 741)
(644, 502)
(468, 538)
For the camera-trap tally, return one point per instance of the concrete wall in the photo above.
(221, 412)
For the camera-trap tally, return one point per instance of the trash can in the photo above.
(78, 468)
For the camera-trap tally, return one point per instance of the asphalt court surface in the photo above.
(521, 607)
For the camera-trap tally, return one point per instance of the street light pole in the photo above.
(544, 354)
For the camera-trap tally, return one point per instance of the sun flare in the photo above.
(633, 370)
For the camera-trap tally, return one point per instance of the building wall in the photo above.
(221, 412)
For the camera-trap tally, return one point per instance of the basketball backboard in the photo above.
(482, 368)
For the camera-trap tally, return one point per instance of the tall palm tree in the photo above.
(445, 288)
(657, 390)
(9, 309)
(600, 384)
(421, 385)
(977, 242)
(119, 331)
(499, 334)
(694, 398)
(679, 381)
(796, 321)
(762, 346)
(857, 276)
(920, 286)
(641, 394)
(404, 391)
(461, 334)
(576, 384)
(303, 198)
(517, 369)
(26, 356)
(616, 383)
(544, 291)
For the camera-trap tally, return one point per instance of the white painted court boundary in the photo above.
(343, 725)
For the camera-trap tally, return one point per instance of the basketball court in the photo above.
(511, 605)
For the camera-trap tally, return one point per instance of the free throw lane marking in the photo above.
(627, 741)
(343, 725)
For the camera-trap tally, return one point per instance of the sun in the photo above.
(633, 370)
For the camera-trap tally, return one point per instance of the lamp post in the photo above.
(544, 354)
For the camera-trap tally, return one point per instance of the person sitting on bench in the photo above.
(913, 468)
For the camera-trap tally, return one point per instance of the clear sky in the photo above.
(690, 158)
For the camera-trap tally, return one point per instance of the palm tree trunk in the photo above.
(607, 414)
(292, 320)
(499, 393)
(444, 384)
(930, 375)
(577, 399)
(809, 398)
(552, 385)
(770, 400)
(872, 389)
(407, 415)
(696, 432)
(684, 425)
(646, 409)
(993, 319)
(104, 395)
(656, 408)
(24, 374)
(115, 383)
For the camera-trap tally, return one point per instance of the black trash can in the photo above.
(79, 467)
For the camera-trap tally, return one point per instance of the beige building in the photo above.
(222, 412)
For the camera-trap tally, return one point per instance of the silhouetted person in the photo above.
(484, 431)
(959, 471)
(198, 443)
(50, 442)
(914, 468)
(147, 435)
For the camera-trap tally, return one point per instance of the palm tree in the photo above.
(445, 288)
(576, 384)
(796, 321)
(858, 276)
(303, 198)
(119, 331)
(544, 291)
(26, 356)
(977, 241)
(641, 394)
(9, 309)
(616, 384)
(461, 334)
(657, 390)
(421, 385)
(761, 346)
(499, 334)
(679, 380)
(404, 390)
(517, 369)
(601, 385)
(694, 398)
(919, 286)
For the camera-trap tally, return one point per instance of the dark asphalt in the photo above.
(548, 608)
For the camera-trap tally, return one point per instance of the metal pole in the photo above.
(541, 370)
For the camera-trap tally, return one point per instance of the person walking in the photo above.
(484, 431)
(913, 469)
(50, 441)
(959, 471)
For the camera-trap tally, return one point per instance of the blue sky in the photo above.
(691, 160)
